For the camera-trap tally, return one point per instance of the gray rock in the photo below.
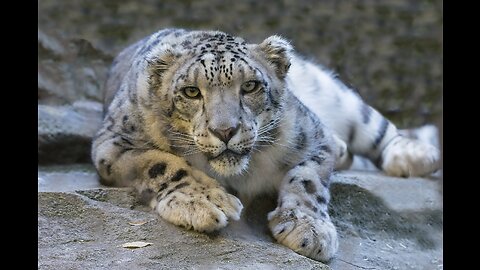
(65, 132)
(383, 223)
(386, 222)
(69, 69)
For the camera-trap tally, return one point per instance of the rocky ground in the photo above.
(383, 223)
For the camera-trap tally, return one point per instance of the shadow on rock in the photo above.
(357, 211)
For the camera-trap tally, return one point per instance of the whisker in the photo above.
(191, 152)
(182, 136)
(177, 133)
(183, 140)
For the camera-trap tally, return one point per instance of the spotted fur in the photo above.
(191, 114)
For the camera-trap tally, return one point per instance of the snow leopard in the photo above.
(199, 122)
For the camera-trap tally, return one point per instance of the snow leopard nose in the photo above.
(224, 134)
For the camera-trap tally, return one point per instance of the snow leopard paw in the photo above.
(203, 209)
(406, 157)
(343, 157)
(313, 237)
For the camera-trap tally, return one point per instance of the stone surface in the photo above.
(387, 222)
(65, 132)
(69, 69)
(383, 223)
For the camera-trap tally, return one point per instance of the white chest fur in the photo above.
(263, 173)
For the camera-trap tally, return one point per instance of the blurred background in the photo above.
(389, 51)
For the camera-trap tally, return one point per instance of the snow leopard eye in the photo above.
(250, 86)
(191, 92)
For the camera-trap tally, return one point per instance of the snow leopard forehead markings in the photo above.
(218, 54)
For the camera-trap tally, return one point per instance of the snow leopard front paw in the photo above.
(406, 157)
(201, 208)
(313, 237)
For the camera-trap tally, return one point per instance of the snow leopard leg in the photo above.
(181, 194)
(301, 220)
(368, 133)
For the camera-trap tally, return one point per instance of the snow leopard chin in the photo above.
(229, 163)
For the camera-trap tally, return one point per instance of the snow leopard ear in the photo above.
(160, 59)
(277, 51)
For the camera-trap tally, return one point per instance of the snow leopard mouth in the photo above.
(229, 154)
(229, 162)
